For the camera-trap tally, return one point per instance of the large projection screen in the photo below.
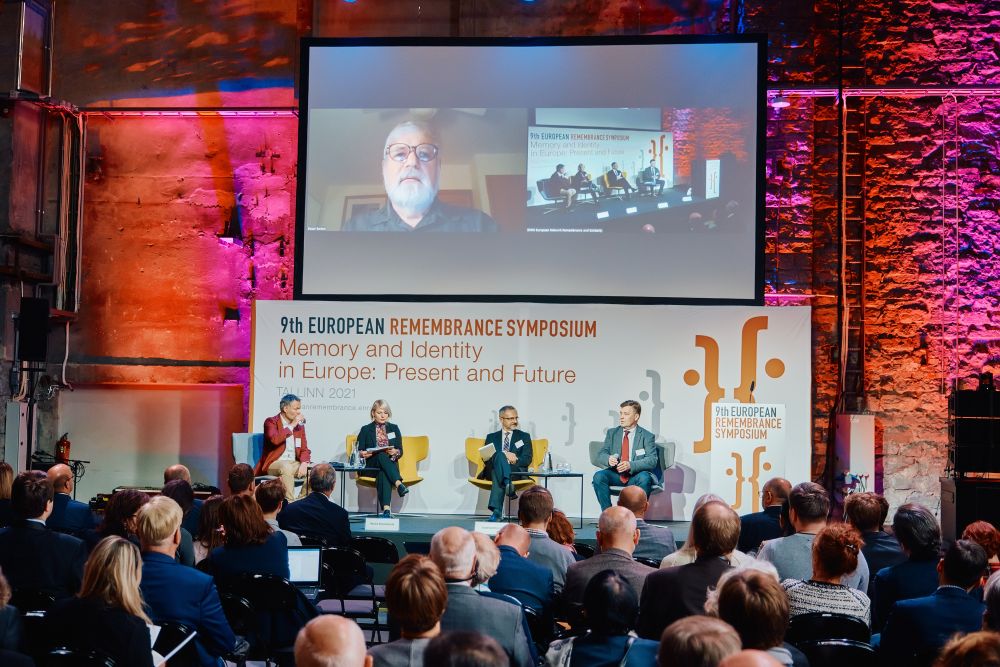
(577, 170)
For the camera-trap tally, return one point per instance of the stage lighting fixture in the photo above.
(779, 102)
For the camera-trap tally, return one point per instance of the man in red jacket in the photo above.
(286, 453)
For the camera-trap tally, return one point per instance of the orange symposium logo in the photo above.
(658, 152)
(754, 479)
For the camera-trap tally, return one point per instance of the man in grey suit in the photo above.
(454, 552)
(616, 539)
(534, 511)
(654, 541)
(631, 456)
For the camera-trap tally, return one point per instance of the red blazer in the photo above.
(275, 434)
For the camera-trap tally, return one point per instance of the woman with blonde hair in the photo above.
(6, 483)
(380, 444)
(107, 614)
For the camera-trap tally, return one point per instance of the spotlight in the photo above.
(780, 102)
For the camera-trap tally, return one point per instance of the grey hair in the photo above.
(287, 400)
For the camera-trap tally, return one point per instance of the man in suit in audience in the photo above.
(918, 533)
(917, 628)
(68, 515)
(676, 592)
(630, 454)
(867, 512)
(616, 540)
(534, 511)
(317, 515)
(331, 640)
(517, 576)
(654, 541)
(808, 507)
(191, 519)
(454, 552)
(764, 525)
(174, 592)
(513, 453)
(33, 557)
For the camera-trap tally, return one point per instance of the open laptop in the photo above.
(305, 565)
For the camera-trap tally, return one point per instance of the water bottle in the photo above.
(353, 463)
(548, 462)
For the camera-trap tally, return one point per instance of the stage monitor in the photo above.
(571, 170)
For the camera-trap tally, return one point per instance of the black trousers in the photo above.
(499, 474)
(385, 479)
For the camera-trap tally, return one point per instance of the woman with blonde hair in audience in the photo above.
(210, 534)
(834, 553)
(107, 614)
(487, 560)
(976, 649)
(6, 483)
(688, 553)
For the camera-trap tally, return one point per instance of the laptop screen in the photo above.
(304, 565)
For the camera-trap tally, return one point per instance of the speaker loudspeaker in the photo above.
(33, 330)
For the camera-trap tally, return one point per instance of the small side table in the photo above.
(343, 474)
(553, 475)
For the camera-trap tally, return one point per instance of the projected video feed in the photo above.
(659, 167)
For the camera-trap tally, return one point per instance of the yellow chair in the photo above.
(610, 189)
(415, 449)
(539, 448)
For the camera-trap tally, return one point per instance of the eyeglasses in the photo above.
(399, 152)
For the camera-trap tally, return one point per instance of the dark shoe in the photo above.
(402, 490)
(511, 493)
(386, 514)
(495, 516)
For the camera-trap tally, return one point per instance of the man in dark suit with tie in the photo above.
(517, 576)
(630, 453)
(68, 515)
(317, 515)
(764, 525)
(175, 592)
(917, 628)
(651, 178)
(615, 178)
(33, 557)
(513, 454)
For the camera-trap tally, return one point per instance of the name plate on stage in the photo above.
(490, 528)
(380, 525)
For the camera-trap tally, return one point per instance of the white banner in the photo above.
(445, 368)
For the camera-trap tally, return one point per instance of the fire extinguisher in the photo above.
(62, 449)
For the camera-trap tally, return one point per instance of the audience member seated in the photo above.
(687, 553)
(697, 641)
(808, 507)
(561, 531)
(516, 575)
(6, 480)
(250, 547)
(987, 536)
(752, 601)
(610, 607)
(917, 628)
(560, 185)
(119, 517)
(978, 649)
(416, 595)
(270, 496)
(453, 550)
(991, 598)
(181, 493)
(68, 515)
(835, 554)
(108, 614)
(32, 557)
(173, 592)
(920, 537)
(867, 513)
(10, 620)
(192, 516)
(615, 178)
(750, 658)
(650, 178)
(209, 534)
(673, 593)
(487, 561)
(465, 649)
(330, 640)
(584, 184)
(534, 512)
(616, 539)
(765, 524)
(241, 480)
(656, 542)
(317, 515)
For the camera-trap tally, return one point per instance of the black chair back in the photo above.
(417, 547)
(651, 562)
(277, 611)
(376, 549)
(171, 635)
(542, 628)
(310, 541)
(343, 569)
(68, 657)
(31, 599)
(584, 550)
(837, 653)
(824, 625)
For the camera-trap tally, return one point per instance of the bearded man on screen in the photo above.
(411, 172)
